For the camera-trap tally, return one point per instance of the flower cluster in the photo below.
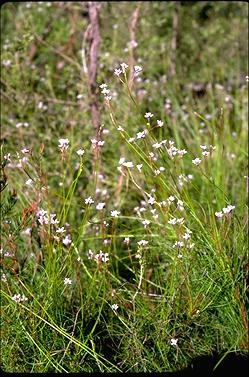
(100, 257)
(63, 145)
(19, 298)
(44, 218)
(105, 91)
(224, 211)
(97, 143)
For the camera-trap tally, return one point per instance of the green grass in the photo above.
(196, 295)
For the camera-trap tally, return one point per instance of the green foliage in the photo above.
(164, 292)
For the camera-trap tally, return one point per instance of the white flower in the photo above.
(171, 198)
(115, 213)
(159, 123)
(25, 150)
(219, 214)
(145, 223)
(114, 307)
(90, 254)
(29, 182)
(182, 152)
(80, 152)
(148, 115)
(139, 167)
(196, 161)
(127, 240)
(19, 298)
(67, 240)
(4, 278)
(100, 206)
(180, 221)
(151, 200)
(228, 209)
(97, 143)
(63, 144)
(89, 200)
(105, 91)
(157, 145)
(61, 230)
(128, 164)
(186, 236)
(102, 86)
(117, 72)
(137, 70)
(142, 243)
(172, 221)
(178, 244)
(124, 66)
(173, 341)
(141, 135)
(205, 153)
(67, 281)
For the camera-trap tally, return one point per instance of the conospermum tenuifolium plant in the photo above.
(147, 275)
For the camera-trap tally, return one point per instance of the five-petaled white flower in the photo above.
(142, 243)
(148, 115)
(67, 281)
(63, 144)
(100, 206)
(173, 341)
(114, 307)
(115, 213)
(196, 161)
(80, 152)
(89, 200)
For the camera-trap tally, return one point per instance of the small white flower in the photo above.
(117, 72)
(61, 230)
(171, 198)
(100, 206)
(115, 213)
(114, 307)
(124, 66)
(139, 167)
(25, 150)
(186, 236)
(196, 161)
(80, 152)
(4, 278)
(159, 123)
(178, 244)
(219, 214)
(228, 209)
(157, 145)
(29, 182)
(67, 281)
(172, 221)
(146, 223)
(182, 152)
(89, 200)
(102, 86)
(173, 341)
(19, 298)
(63, 144)
(151, 200)
(137, 70)
(90, 254)
(148, 115)
(142, 243)
(126, 240)
(128, 164)
(67, 240)
(141, 135)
